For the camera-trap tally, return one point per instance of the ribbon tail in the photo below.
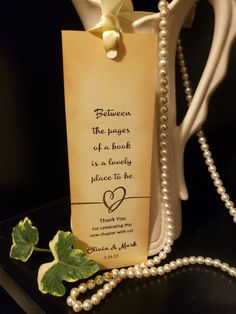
(109, 24)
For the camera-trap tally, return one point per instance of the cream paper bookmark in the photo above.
(110, 108)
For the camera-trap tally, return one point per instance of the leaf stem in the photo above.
(38, 249)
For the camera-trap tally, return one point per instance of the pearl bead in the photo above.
(163, 152)
(101, 293)
(165, 183)
(167, 268)
(221, 190)
(99, 280)
(215, 175)
(164, 13)
(200, 260)
(107, 288)
(204, 147)
(170, 234)
(74, 293)
(163, 44)
(87, 305)
(107, 276)
(170, 242)
(187, 84)
(167, 249)
(138, 274)
(163, 135)
(169, 220)
(167, 205)
(232, 210)
(232, 271)
(234, 219)
(170, 227)
(163, 63)
(179, 262)
(137, 267)
(163, 101)
(163, 91)
(113, 283)
(123, 273)
(156, 260)
(95, 299)
(153, 271)
(163, 109)
(146, 272)
(160, 271)
(224, 267)
(82, 287)
(164, 168)
(163, 72)
(212, 168)
(182, 63)
(70, 301)
(166, 198)
(200, 132)
(180, 54)
(91, 284)
(115, 273)
(162, 255)
(189, 98)
(185, 77)
(143, 265)
(162, 5)
(217, 182)
(150, 263)
(163, 82)
(224, 197)
(186, 261)
(163, 144)
(77, 306)
(207, 154)
(163, 23)
(202, 140)
(184, 70)
(163, 54)
(130, 272)
(168, 213)
(216, 263)
(188, 91)
(173, 265)
(208, 261)
(192, 260)
(209, 161)
(163, 161)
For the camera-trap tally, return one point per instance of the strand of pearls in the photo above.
(109, 280)
(116, 276)
(202, 139)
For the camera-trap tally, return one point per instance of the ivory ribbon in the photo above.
(109, 24)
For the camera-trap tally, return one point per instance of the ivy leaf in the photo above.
(69, 264)
(24, 237)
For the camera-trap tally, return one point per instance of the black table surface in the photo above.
(193, 289)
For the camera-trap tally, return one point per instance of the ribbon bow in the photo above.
(109, 24)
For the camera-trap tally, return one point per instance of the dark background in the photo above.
(33, 155)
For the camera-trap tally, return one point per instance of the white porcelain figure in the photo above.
(216, 66)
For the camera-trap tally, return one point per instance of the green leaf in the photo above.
(24, 237)
(69, 264)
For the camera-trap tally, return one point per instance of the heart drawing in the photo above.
(113, 199)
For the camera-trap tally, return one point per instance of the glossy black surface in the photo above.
(192, 289)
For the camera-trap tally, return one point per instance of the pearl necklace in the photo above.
(215, 176)
(109, 280)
